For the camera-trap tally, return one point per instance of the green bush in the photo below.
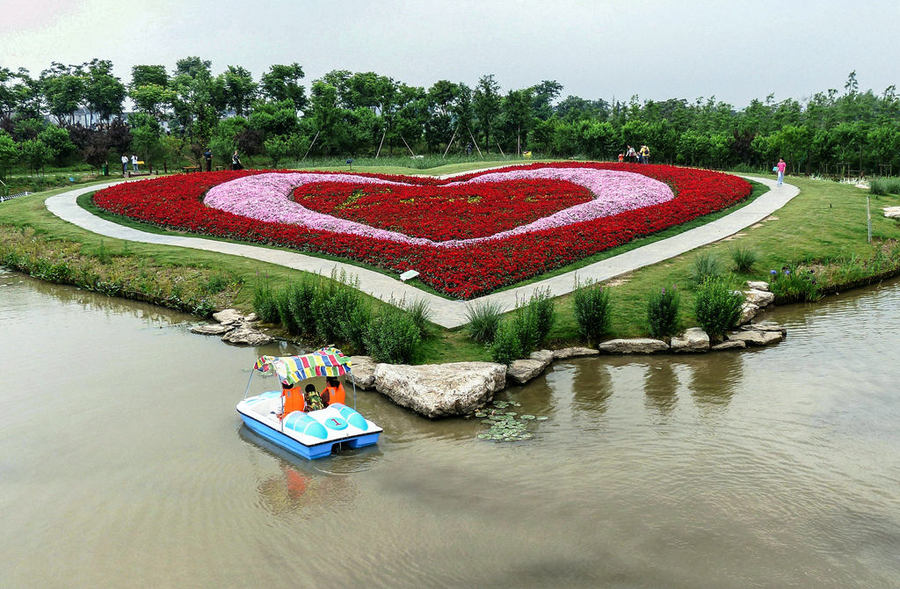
(884, 186)
(533, 320)
(285, 313)
(717, 307)
(302, 300)
(507, 345)
(420, 312)
(744, 259)
(662, 312)
(484, 319)
(791, 285)
(592, 311)
(392, 337)
(264, 302)
(706, 266)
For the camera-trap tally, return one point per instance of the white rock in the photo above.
(211, 329)
(758, 285)
(692, 340)
(251, 318)
(545, 356)
(756, 338)
(729, 345)
(748, 312)
(639, 345)
(228, 316)
(760, 298)
(521, 371)
(440, 390)
(246, 335)
(362, 372)
(892, 212)
(766, 326)
(566, 353)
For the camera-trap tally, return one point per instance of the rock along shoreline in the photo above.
(461, 388)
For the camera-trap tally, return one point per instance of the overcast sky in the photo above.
(656, 49)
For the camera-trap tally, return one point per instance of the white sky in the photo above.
(735, 50)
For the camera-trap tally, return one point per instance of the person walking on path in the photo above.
(631, 153)
(134, 162)
(780, 169)
(236, 161)
(207, 155)
(124, 164)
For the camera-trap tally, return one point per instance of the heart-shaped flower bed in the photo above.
(465, 235)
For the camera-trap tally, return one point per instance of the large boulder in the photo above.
(362, 372)
(892, 212)
(247, 336)
(638, 345)
(692, 340)
(441, 390)
(758, 285)
(228, 316)
(760, 298)
(754, 337)
(521, 371)
(211, 329)
(766, 326)
(566, 353)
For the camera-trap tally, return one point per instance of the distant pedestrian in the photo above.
(469, 148)
(207, 155)
(621, 157)
(134, 162)
(631, 153)
(124, 164)
(645, 154)
(236, 161)
(780, 169)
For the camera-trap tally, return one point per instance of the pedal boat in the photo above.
(313, 434)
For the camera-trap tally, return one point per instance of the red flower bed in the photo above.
(176, 202)
(440, 212)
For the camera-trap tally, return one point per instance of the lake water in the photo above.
(124, 464)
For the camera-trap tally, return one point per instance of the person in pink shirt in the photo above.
(780, 168)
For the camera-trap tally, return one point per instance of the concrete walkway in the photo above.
(444, 312)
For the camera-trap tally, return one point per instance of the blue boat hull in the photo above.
(309, 452)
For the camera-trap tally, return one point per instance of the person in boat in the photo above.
(313, 399)
(333, 392)
(292, 399)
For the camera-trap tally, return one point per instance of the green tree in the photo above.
(103, 92)
(63, 88)
(8, 153)
(239, 89)
(282, 82)
(486, 104)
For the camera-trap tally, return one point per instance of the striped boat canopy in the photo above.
(293, 369)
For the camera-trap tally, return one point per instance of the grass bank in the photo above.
(823, 229)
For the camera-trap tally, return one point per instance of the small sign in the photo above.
(408, 275)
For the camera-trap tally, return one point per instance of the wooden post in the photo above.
(310, 146)
(451, 142)
(501, 149)
(407, 146)
(380, 144)
(474, 142)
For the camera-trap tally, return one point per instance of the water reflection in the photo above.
(591, 388)
(660, 386)
(714, 378)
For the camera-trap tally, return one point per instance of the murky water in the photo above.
(124, 464)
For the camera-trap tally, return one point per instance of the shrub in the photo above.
(884, 186)
(392, 337)
(717, 307)
(507, 345)
(793, 285)
(662, 312)
(542, 313)
(706, 266)
(484, 319)
(264, 302)
(592, 310)
(285, 313)
(301, 301)
(744, 259)
(333, 306)
(420, 312)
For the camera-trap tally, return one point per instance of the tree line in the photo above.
(75, 113)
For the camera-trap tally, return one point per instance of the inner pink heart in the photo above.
(267, 197)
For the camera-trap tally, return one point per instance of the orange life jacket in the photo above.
(334, 395)
(293, 400)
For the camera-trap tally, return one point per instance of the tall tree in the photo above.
(282, 82)
(486, 104)
(103, 92)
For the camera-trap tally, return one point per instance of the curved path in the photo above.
(444, 312)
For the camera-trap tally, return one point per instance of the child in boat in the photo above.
(292, 399)
(313, 399)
